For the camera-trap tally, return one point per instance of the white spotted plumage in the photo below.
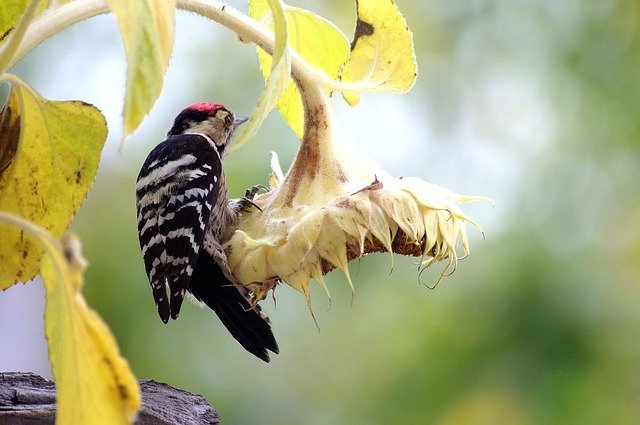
(183, 213)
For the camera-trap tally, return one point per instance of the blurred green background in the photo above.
(535, 104)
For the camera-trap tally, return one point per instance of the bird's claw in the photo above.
(249, 194)
(245, 203)
(252, 191)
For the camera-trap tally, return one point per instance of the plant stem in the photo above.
(8, 50)
(55, 20)
(316, 155)
(317, 113)
(318, 120)
(247, 29)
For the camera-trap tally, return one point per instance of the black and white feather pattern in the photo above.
(176, 190)
(182, 212)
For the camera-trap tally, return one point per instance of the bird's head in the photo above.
(210, 119)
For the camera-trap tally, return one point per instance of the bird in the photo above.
(183, 212)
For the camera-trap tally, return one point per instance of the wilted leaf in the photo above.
(382, 57)
(49, 154)
(317, 40)
(94, 383)
(278, 77)
(147, 29)
(9, 134)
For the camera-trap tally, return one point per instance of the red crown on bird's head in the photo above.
(207, 107)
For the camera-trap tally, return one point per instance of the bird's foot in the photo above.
(247, 202)
(259, 291)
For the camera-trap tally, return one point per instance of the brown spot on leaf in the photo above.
(78, 176)
(124, 393)
(9, 132)
(362, 29)
(122, 389)
(6, 33)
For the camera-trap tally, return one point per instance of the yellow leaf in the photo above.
(278, 77)
(49, 154)
(147, 29)
(382, 56)
(10, 12)
(259, 9)
(94, 383)
(15, 18)
(317, 40)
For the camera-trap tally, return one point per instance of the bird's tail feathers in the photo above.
(246, 322)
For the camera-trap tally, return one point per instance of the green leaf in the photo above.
(382, 56)
(317, 40)
(276, 83)
(147, 29)
(49, 154)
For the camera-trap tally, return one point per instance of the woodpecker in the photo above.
(183, 213)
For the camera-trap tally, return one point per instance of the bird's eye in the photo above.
(228, 120)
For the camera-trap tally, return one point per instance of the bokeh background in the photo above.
(535, 104)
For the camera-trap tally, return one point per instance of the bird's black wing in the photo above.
(176, 188)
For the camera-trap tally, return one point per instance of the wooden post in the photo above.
(26, 398)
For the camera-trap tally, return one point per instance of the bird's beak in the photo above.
(240, 119)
